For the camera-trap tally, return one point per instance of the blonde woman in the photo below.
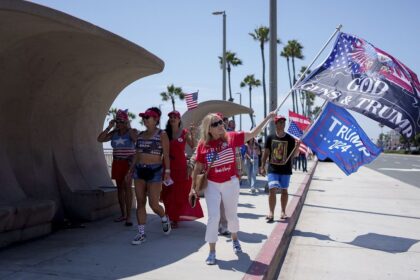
(223, 183)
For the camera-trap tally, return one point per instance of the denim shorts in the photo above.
(156, 170)
(278, 181)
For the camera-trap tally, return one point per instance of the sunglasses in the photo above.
(216, 124)
(119, 122)
(146, 117)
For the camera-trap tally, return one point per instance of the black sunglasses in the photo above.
(119, 121)
(146, 117)
(216, 124)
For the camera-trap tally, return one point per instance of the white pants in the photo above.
(228, 192)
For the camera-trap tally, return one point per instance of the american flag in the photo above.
(223, 157)
(191, 99)
(301, 121)
(303, 148)
(294, 130)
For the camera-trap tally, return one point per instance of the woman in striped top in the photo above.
(123, 139)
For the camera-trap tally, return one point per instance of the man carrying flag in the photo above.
(280, 149)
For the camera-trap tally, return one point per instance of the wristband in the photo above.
(167, 171)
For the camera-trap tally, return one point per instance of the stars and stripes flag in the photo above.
(363, 78)
(297, 133)
(294, 130)
(301, 121)
(223, 157)
(191, 99)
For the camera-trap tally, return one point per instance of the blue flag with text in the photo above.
(337, 135)
(364, 78)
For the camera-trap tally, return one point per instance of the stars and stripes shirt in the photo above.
(223, 153)
(123, 146)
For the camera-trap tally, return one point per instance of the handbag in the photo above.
(201, 179)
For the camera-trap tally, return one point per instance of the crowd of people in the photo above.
(155, 159)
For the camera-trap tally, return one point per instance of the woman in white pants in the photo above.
(218, 146)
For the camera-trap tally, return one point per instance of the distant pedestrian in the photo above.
(280, 149)
(151, 147)
(123, 139)
(251, 163)
(218, 146)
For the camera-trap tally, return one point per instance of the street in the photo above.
(362, 226)
(405, 168)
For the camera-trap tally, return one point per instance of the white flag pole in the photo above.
(337, 29)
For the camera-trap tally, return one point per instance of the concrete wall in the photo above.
(58, 77)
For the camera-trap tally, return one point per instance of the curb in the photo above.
(267, 264)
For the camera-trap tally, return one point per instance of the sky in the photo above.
(188, 38)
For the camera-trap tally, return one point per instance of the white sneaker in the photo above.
(166, 226)
(138, 239)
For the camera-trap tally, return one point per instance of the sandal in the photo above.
(270, 219)
(128, 224)
(283, 216)
(120, 219)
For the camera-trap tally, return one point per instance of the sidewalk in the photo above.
(103, 249)
(364, 226)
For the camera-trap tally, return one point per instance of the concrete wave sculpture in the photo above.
(59, 76)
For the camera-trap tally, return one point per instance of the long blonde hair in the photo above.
(205, 135)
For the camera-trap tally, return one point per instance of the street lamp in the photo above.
(240, 116)
(224, 52)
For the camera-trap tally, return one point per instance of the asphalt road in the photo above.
(405, 168)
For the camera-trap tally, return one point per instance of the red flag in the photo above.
(301, 121)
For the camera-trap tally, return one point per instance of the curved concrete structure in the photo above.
(227, 108)
(196, 115)
(59, 75)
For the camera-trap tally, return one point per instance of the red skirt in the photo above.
(175, 199)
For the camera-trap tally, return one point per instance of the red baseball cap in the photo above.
(279, 117)
(150, 113)
(174, 113)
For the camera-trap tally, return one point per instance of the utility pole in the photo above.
(273, 61)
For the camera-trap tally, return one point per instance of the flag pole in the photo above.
(337, 29)
(316, 118)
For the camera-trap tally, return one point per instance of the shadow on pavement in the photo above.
(104, 249)
(240, 264)
(312, 235)
(384, 243)
(362, 211)
(374, 241)
(249, 216)
(246, 205)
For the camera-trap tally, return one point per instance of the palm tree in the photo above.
(286, 54)
(231, 60)
(261, 34)
(171, 93)
(295, 51)
(306, 97)
(251, 82)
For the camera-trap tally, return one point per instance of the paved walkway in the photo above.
(103, 250)
(365, 226)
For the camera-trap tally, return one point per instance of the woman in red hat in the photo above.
(152, 146)
(175, 196)
(122, 139)
(216, 154)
